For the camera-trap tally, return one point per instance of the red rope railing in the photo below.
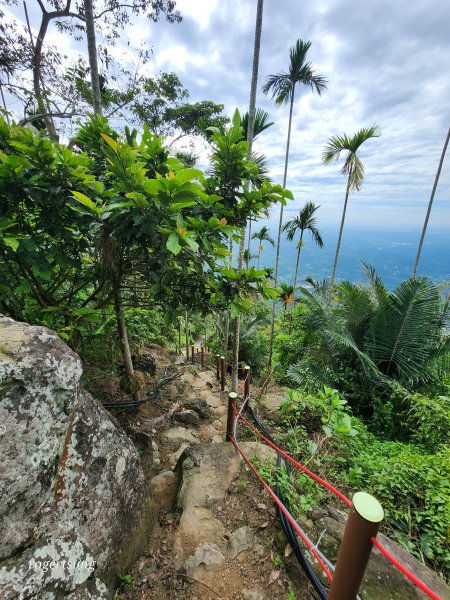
(413, 578)
(287, 514)
(417, 582)
(322, 482)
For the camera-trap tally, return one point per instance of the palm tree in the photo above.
(263, 236)
(286, 297)
(304, 221)
(282, 86)
(353, 168)
(250, 136)
(430, 203)
(261, 123)
(248, 256)
(398, 335)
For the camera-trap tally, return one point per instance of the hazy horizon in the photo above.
(391, 253)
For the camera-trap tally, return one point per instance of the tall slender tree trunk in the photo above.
(51, 124)
(250, 134)
(249, 237)
(4, 104)
(430, 203)
(186, 332)
(92, 54)
(259, 254)
(295, 280)
(297, 263)
(338, 247)
(123, 335)
(280, 225)
(226, 333)
(37, 77)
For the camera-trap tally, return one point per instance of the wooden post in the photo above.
(179, 336)
(192, 353)
(217, 367)
(364, 519)
(222, 372)
(247, 385)
(231, 417)
(203, 357)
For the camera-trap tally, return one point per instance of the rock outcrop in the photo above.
(74, 505)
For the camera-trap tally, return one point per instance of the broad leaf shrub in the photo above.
(411, 480)
(428, 421)
(414, 488)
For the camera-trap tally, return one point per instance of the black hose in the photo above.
(289, 531)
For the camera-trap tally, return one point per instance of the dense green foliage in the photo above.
(369, 342)
(410, 479)
(116, 221)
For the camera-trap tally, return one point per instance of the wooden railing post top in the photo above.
(222, 357)
(232, 395)
(368, 507)
(247, 368)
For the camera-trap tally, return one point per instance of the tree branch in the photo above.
(109, 10)
(61, 115)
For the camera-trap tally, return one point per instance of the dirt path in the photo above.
(217, 534)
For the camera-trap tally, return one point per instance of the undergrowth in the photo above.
(410, 479)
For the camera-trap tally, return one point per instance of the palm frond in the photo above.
(281, 87)
(336, 145)
(261, 122)
(379, 292)
(315, 234)
(406, 331)
(263, 235)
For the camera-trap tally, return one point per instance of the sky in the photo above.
(387, 63)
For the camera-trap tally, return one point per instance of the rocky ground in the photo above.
(217, 534)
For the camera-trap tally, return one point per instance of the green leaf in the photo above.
(119, 205)
(187, 175)
(86, 201)
(45, 275)
(138, 198)
(271, 292)
(11, 242)
(184, 204)
(112, 143)
(221, 252)
(192, 244)
(154, 186)
(173, 244)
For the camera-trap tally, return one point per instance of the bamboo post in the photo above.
(364, 519)
(231, 417)
(192, 353)
(247, 371)
(203, 357)
(218, 366)
(222, 373)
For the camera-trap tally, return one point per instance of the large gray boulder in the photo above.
(74, 505)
